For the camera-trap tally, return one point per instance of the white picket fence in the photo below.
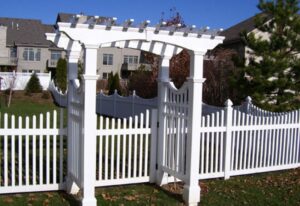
(235, 143)
(32, 153)
(60, 98)
(232, 142)
(111, 105)
(119, 106)
(21, 80)
(126, 149)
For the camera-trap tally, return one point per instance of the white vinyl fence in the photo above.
(111, 105)
(19, 80)
(126, 149)
(233, 142)
(31, 153)
(119, 106)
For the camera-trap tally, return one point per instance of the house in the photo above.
(116, 60)
(24, 48)
(233, 38)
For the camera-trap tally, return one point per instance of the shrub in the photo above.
(61, 75)
(113, 83)
(33, 85)
(144, 83)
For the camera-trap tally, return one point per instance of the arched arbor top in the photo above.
(160, 40)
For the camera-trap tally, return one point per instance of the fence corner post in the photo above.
(153, 151)
(227, 162)
(248, 103)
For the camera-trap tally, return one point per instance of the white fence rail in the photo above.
(31, 153)
(21, 80)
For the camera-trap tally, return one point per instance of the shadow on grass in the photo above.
(69, 198)
(174, 195)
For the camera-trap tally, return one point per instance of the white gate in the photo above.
(126, 149)
(75, 141)
(175, 118)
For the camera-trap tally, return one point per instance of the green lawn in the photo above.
(26, 105)
(277, 188)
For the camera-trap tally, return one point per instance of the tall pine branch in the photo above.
(272, 70)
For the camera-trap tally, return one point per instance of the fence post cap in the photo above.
(248, 99)
(228, 103)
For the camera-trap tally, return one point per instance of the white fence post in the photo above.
(227, 161)
(88, 165)
(161, 176)
(153, 149)
(248, 103)
(133, 102)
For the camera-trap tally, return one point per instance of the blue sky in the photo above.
(212, 13)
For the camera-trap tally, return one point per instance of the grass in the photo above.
(26, 105)
(276, 188)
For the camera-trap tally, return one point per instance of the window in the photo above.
(27, 70)
(55, 55)
(107, 59)
(130, 59)
(31, 54)
(104, 75)
(13, 52)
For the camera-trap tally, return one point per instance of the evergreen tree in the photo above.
(113, 83)
(271, 77)
(61, 75)
(33, 85)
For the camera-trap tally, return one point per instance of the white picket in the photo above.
(118, 149)
(13, 152)
(34, 151)
(5, 152)
(112, 151)
(135, 137)
(124, 150)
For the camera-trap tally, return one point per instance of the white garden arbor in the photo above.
(88, 34)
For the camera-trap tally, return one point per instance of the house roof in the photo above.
(233, 33)
(26, 32)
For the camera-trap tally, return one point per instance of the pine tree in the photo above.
(271, 77)
(33, 85)
(113, 83)
(61, 75)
